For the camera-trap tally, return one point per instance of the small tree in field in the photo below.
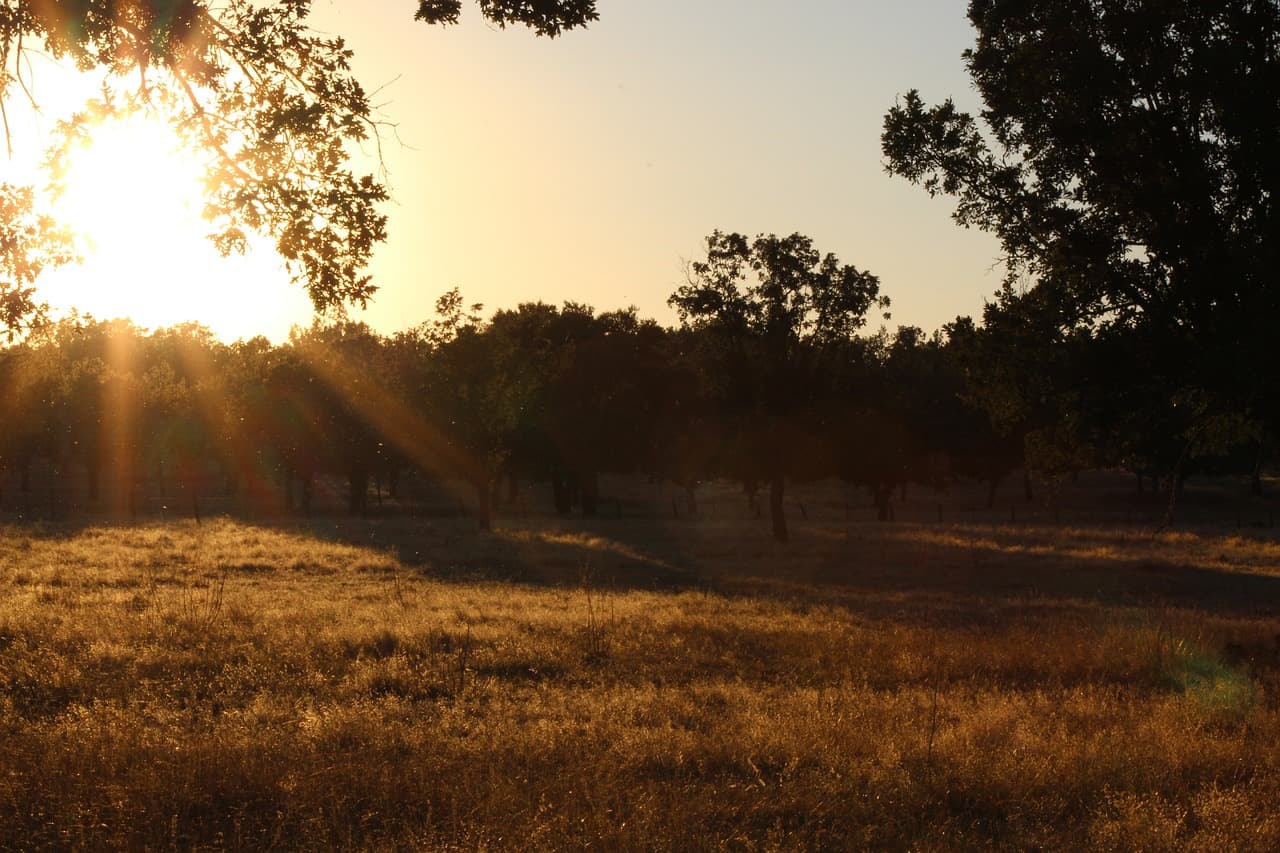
(772, 312)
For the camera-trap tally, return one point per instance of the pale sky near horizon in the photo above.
(591, 167)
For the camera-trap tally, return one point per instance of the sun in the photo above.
(132, 198)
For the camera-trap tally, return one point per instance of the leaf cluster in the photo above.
(30, 242)
(773, 308)
(545, 17)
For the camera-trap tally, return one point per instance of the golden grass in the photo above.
(635, 685)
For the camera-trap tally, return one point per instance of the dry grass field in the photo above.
(639, 684)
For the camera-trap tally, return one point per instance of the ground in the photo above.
(1046, 677)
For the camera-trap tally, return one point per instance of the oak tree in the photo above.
(1125, 158)
(773, 310)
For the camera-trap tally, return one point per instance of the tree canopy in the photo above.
(1125, 159)
(773, 310)
(546, 17)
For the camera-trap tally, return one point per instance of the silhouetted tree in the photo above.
(29, 383)
(907, 409)
(772, 309)
(478, 392)
(1125, 159)
(342, 396)
(185, 412)
(591, 397)
(249, 444)
(1022, 370)
(546, 17)
(688, 439)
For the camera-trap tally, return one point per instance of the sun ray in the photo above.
(407, 431)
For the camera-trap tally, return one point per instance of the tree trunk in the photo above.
(53, 498)
(992, 485)
(484, 503)
(777, 487)
(751, 486)
(883, 494)
(1255, 479)
(1028, 493)
(358, 494)
(590, 494)
(561, 494)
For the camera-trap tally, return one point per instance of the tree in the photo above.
(1026, 374)
(28, 390)
(100, 416)
(338, 383)
(691, 436)
(273, 103)
(1125, 159)
(546, 17)
(480, 391)
(899, 413)
(591, 391)
(773, 310)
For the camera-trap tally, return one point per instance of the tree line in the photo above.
(782, 369)
(1123, 156)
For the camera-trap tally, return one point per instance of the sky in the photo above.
(591, 167)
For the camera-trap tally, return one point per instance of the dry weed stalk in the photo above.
(601, 616)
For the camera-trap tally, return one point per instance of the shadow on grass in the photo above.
(863, 567)
(975, 572)
(539, 552)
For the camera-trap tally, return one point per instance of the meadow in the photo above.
(644, 682)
